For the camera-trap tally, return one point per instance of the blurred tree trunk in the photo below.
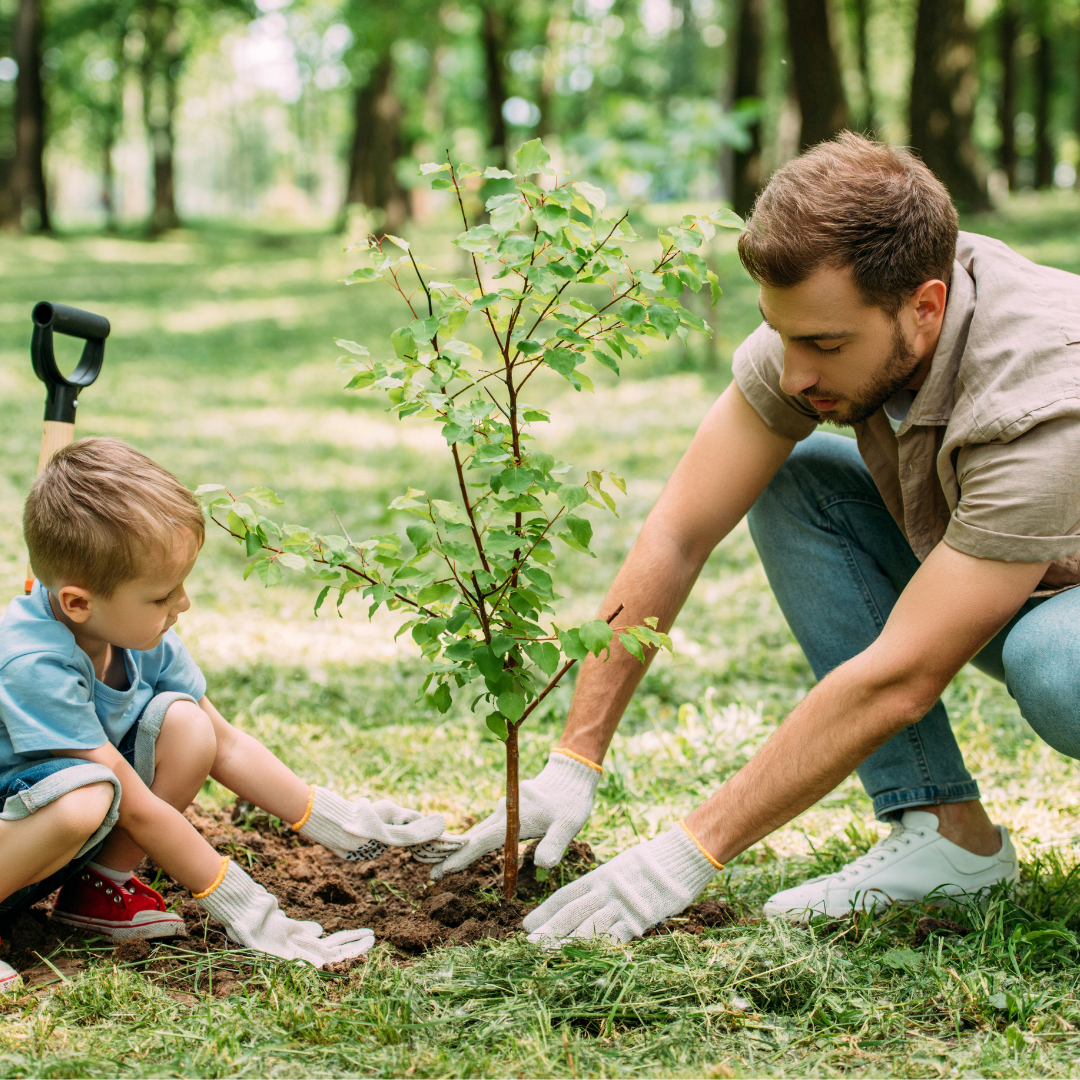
(943, 88)
(376, 147)
(861, 12)
(817, 72)
(1008, 30)
(1045, 156)
(161, 59)
(29, 205)
(745, 165)
(494, 35)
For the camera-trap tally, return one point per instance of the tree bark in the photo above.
(494, 33)
(29, 204)
(745, 165)
(377, 146)
(943, 89)
(513, 819)
(1045, 157)
(1008, 30)
(161, 59)
(868, 121)
(817, 72)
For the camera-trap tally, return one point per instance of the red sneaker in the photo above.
(120, 912)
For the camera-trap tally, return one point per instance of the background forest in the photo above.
(146, 113)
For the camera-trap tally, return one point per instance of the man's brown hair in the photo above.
(98, 510)
(857, 203)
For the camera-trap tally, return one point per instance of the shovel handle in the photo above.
(54, 435)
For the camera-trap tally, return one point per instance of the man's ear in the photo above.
(75, 602)
(927, 303)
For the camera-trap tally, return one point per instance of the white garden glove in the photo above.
(252, 918)
(555, 805)
(362, 830)
(643, 886)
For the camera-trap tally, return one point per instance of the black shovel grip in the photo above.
(63, 391)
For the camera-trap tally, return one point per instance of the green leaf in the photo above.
(688, 277)
(497, 725)
(652, 282)
(505, 216)
(714, 287)
(269, 573)
(580, 529)
(441, 698)
(420, 534)
(595, 636)
(528, 347)
(511, 705)
(501, 645)
(633, 313)
(572, 646)
(292, 560)
(544, 655)
(563, 361)
(433, 593)
(571, 495)
(494, 173)
(263, 496)
(361, 380)
(485, 301)
(434, 167)
(320, 598)
(532, 158)
(549, 218)
(592, 194)
(252, 543)
(665, 319)
(351, 346)
(728, 219)
(403, 342)
(362, 276)
(449, 511)
(491, 667)
(211, 495)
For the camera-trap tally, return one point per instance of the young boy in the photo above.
(106, 734)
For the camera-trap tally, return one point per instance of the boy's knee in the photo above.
(80, 813)
(185, 721)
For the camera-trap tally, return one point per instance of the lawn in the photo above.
(221, 367)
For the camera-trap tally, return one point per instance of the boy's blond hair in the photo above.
(98, 510)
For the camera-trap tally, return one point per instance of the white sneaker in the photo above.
(912, 861)
(9, 977)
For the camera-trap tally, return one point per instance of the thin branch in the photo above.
(472, 519)
(497, 405)
(485, 625)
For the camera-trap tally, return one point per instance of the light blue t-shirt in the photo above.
(49, 696)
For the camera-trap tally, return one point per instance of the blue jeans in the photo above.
(837, 561)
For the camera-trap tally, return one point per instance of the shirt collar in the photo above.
(933, 403)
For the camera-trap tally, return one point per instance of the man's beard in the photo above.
(893, 376)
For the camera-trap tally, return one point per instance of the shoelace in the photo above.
(877, 854)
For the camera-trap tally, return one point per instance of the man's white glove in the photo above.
(361, 830)
(623, 898)
(252, 918)
(554, 805)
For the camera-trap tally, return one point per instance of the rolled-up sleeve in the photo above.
(1020, 501)
(757, 366)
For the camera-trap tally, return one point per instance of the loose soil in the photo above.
(392, 895)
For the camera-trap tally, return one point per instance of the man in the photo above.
(948, 531)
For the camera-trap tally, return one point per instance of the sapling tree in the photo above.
(552, 286)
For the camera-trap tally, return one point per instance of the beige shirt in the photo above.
(988, 457)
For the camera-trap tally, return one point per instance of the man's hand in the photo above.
(362, 830)
(639, 888)
(252, 918)
(554, 806)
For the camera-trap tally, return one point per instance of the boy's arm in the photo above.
(161, 831)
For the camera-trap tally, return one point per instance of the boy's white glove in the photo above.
(361, 830)
(643, 886)
(252, 918)
(554, 805)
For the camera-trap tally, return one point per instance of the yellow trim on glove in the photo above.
(697, 844)
(578, 757)
(217, 881)
(307, 813)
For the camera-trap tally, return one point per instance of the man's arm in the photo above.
(951, 607)
(730, 462)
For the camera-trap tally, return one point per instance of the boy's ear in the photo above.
(75, 602)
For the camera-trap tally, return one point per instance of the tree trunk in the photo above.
(943, 89)
(745, 165)
(1008, 30)
(160, 64)
(868, 121)
(494, 33)
(376, 148)
(29, 205)
(817, 72)
(513, 820)
(1045, 157)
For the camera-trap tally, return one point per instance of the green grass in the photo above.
(221, 367)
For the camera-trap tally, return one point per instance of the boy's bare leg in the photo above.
(185, 751)
(249, 769)
(36, 846)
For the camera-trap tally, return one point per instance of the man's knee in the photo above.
(78, 814)
(1045, 681)
(187, 727)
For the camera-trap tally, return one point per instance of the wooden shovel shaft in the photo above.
(54, 435)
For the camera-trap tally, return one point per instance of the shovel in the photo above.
(62, 392)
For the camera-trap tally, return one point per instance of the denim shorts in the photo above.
(27, 787)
